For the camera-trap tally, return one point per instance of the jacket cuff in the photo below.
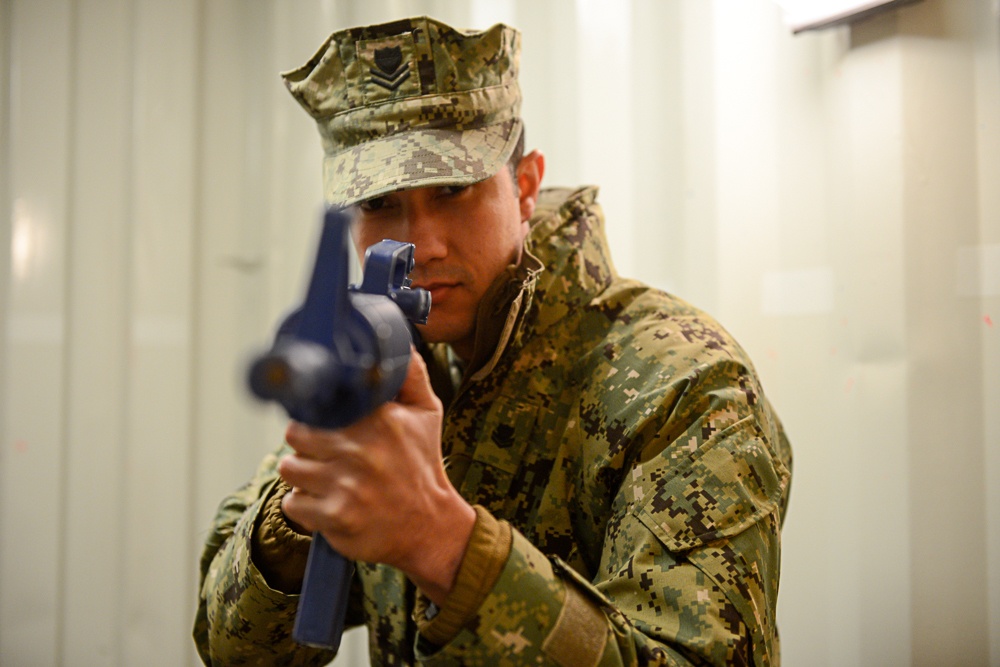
(279, 551)
(537, 612)
(484, 559)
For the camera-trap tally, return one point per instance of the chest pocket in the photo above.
(485, 469)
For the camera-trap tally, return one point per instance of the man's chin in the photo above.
(438, 332)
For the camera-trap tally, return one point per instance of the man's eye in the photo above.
(451, 190)
(373, 204)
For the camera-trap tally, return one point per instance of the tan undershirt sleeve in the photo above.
(279, 551)
(484, 559)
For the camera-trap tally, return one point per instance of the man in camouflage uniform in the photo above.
(596, 477)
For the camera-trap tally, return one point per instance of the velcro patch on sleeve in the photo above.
(580, 633)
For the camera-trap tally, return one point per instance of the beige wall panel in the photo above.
(5, 206)
(695, 259)
(32, 479)
(946, 424)
(5, 272)
(295, 189)
(99, 275)
(987, 123)
(657, 191)
(158, 573)
(870, 587)
(541, 93)
(604, 53)
(659, 58)
(548, 82)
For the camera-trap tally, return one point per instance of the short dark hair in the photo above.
(515, 159)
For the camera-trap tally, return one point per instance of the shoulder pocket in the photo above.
(730, 483)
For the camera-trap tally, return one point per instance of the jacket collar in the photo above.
(565, 264)
(567, 235)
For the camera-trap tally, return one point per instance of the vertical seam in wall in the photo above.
(197, 247)
(62, 557)
(128, 271)
(6, 17)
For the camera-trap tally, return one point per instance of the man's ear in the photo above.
(530, 170)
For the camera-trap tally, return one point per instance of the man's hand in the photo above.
(377, 489)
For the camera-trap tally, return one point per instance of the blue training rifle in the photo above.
(335, 359)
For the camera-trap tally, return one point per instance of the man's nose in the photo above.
(425, 232)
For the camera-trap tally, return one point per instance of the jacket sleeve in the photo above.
(241, 620)
(689, 565)
(541, 611)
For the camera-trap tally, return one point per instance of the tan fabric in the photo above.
(279, 551)
(484, 558)
(580, 634)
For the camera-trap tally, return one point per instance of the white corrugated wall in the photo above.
(831, 197)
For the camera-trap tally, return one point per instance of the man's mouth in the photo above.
(439, 291)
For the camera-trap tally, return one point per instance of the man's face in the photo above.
(465, 236)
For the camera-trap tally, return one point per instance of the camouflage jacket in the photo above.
(625, 437)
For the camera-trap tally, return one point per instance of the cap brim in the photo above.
(416, 159)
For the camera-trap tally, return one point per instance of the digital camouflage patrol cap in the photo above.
(410, 104)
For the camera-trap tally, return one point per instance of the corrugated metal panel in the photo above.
(32, 480)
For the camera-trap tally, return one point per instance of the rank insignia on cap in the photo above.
(391, 71)
(386, 65)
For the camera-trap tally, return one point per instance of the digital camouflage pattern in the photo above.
(624, 435)
(409, 104)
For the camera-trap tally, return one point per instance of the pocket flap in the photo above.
(731, 483)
